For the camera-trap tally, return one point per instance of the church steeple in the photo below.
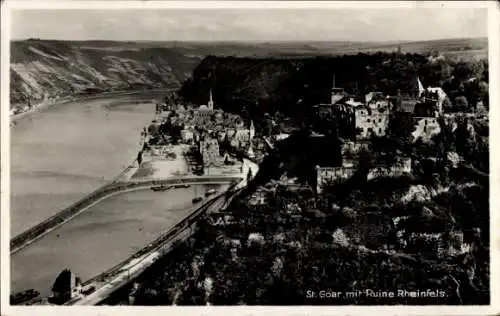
(252, 130)
(211, 102)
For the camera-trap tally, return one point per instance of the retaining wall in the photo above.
(25, 238)
(165, 242)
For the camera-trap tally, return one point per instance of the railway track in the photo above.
(110, 277)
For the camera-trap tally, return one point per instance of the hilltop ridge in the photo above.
(42, 69)
(51, 68)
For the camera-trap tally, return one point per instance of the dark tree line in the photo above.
(253, 87)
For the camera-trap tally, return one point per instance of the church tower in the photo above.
(211, 102)
(417, 88)
(252, 130)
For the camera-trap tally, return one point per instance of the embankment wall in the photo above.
(27, 237)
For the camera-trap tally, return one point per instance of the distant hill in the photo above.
(58, 68)
(286, 48)
(260, 85)
(263, 84)
(40, 67)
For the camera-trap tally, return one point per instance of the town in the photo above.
(213, 142)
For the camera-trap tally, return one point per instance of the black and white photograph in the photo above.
(247, 154)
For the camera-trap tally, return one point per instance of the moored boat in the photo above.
(197, 199)
(24, 296)
(210, 192)
(160, 188)
(182, 186)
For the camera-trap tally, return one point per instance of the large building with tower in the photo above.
(210, 152)
(204, 113)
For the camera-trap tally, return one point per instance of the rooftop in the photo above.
(63, 281)
(407, 105)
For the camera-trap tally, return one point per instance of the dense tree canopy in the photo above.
(291, 86)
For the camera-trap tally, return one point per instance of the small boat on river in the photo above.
(160, 188)
(210, 192)
(197, 199)
(182, 186)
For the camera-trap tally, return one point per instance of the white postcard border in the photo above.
(494, 61)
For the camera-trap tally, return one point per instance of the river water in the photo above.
(102, 236)
(62, 153)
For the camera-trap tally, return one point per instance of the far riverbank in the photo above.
(145, 94)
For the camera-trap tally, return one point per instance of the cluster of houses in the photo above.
(415, 117)
(372, 116)
(207, 128)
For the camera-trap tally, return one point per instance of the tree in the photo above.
(249, 175)
(447, 106)
(139, 158)
(463, 71)
(462, 136)
(461, 103)
(484, 93)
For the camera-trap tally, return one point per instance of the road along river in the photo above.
(102, 236)
(62, 153)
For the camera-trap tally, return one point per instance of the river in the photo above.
(62, 153)
(59, 155)
(102, 236)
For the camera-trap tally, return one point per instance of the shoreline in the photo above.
(25, 238)
(70, 99)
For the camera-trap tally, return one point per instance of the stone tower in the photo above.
(336, 93)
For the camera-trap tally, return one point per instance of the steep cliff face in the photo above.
(46, 69)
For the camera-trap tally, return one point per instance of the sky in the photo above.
(250, 24)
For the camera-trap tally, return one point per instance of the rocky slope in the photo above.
(47, 69)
